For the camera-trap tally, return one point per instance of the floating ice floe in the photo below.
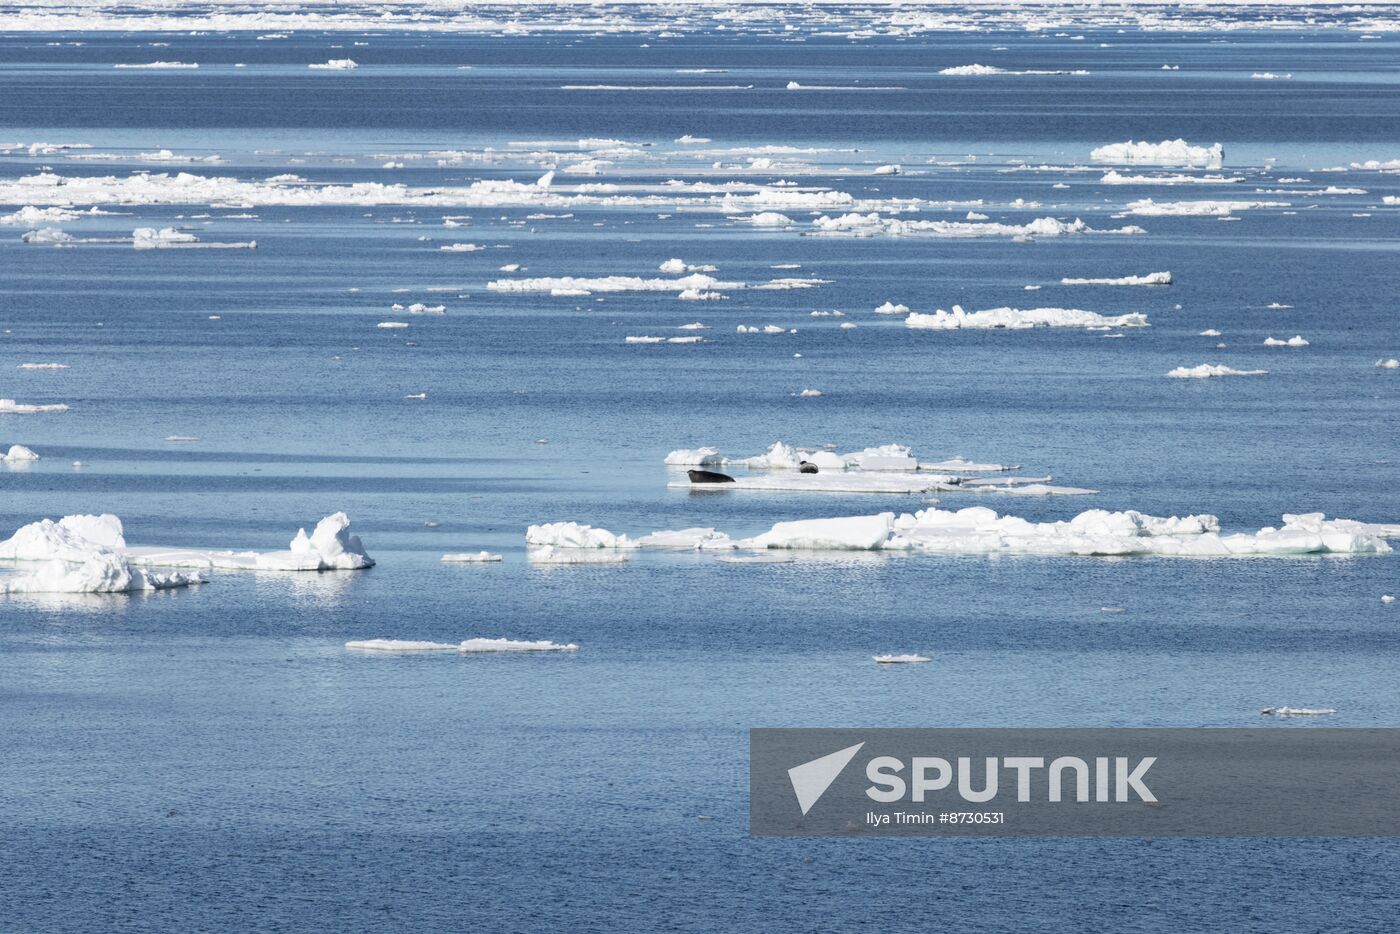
(1298, 711)
(97, 558)
(1295, 341)
(1149, 208)
(1208, 370)
(400, 645)
(873, 225)
(42, 366)
(574, 285)
(19, 454)
(149, 238)
(1016, 319)
(889, 308)
(485, 646)
(767, 219)
(335, 64)
(981, 531)
(471, 557)
(1391, 364)
(11, 407)
(900, 659)
(1114, 177)
(1167, 152)
(1152, 278)
(647, 339)
(158, 65)
(886, 170)
(981, 70)
(1210, 332)
(30, 216)
(392, 325)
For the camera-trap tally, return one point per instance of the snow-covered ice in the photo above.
(1152, 278)
(1167, 152)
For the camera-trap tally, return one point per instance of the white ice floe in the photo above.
(574, 535)
(392, 325)
(983, 70)
(149, 238)
(11, 407)
(19, 454)
(80, 540)
(78, 554)
(1152, 278)
(1208, 370)
(698, 539)
(484, 646)
(900, 659)
(648, 339)
(158, 65)
(335, 64)
(889, 308)
(1114, 177)
(767, 219)
(1295, 341)
(874, 225)
(809, 393)
(886, 170)
(1167, 152)
(978, 530)
(1210, 332)
(471, 558)
(1149, 208)
(42, 366)
(30, 216)
(400, 645)
(575, 285)
(1390, 364)
(1015, 319)
(1298, 711)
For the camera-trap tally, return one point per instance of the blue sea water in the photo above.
(213, 759)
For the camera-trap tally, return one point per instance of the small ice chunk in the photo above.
(900, 659)
(471, 557)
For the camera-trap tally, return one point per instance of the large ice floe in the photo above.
(89, 554)
(1016, 319)
(1167, 152)
(888, 468)
(1149, 208)
(874, 225)
(466, 646)
(981, 531)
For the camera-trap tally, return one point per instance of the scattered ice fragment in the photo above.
(1295, 341)
(1391, 364)
(900, 659)
(889, 308)
(1298, 711)
(810, 393)
(335, 64)
(18, 453)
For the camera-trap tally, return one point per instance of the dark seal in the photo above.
(708, 476)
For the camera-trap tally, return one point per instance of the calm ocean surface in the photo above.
(214, 759)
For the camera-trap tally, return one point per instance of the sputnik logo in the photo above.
(810, 780)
